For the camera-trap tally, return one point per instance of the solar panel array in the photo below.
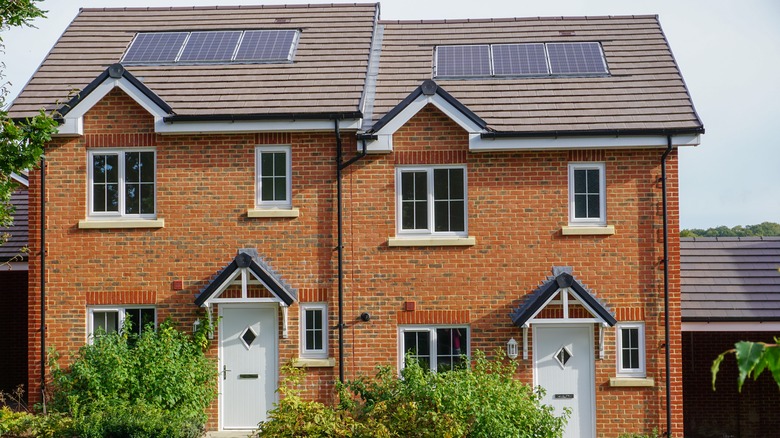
(212, 47)
(535, 59)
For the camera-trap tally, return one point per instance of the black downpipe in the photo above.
(43, 283)
(666, 286)
(340, 246)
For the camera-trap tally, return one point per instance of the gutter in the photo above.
(666, 286)
(269, 116)
(340, 166)
(590, 133)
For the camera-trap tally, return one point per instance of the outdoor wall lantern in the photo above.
(511, 349)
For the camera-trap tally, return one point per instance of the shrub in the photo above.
(158, 383)
(484, 401)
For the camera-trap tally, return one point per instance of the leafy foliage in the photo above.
(762, 229)
(158, 383)
(21, 142)
(484, 401)
(753, 358)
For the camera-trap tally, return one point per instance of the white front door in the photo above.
(248, 365)
(563, 366)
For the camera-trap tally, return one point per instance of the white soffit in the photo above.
(478, 144)
(735, 326)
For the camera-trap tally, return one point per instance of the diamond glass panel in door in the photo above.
(210, 46)
(248, 337)
(576, 58)
(586, 194)
(139, 182)
(417, 346)
(450, 349)
(448, 200)
(519, 59)
(562, 356)
(105, 183)
(630, 347)
(463, 61)
(273, 168)
(414, 200)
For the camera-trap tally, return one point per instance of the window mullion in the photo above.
(431, 202)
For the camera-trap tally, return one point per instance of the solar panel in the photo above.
(267, 45)
(576, 58)
(210, 46)
(519, 59)
(155, 47)
(463, 61)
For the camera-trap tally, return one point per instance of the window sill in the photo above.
(626, 382)
(606, 230)
(303, 362)
(93, 224)
(431, 241)
(272, 212)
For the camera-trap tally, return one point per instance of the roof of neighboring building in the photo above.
(643, 91)
(327, 75)
(730, 278)
(18, 233)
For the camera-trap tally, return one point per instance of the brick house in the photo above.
(730, 292)
(341, 190)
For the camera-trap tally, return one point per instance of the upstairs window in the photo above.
(431, 200)
(274, 183)
(529, 59)
(587, 194)
(204, 47)
(122, 183)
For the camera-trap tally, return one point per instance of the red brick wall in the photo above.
(517, 206)
(13, 326)
(726, 411)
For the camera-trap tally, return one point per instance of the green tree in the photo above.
(762, 229)
(753, 358)
(21, 141)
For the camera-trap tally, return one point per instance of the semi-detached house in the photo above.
(338, 190)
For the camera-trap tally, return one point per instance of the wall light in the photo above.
(511, 349)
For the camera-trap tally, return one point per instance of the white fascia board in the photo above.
(13, 266)
(737, 326)
(245, 126)
(74, 119)
(384, 142)
(478, 144)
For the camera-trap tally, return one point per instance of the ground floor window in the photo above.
(437, 348)
(112, 319)
(314, 332)
(631, 349)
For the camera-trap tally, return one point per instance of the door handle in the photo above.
(224, 372)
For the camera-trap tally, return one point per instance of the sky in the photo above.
(728, 52)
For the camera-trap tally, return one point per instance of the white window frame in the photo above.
(121, 312)
(430, 232)
(259, 203)
(602, 219)
(641, 370)
(314, 353)
(431, 329)
(121, 182)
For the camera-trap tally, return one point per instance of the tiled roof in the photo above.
(18, 232)
(644, 91)
(327, 75)
(730, 278)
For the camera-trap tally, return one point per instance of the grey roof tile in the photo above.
(730, 278)
(18, 233)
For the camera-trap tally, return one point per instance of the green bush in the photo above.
(158, 383)
(484, 401)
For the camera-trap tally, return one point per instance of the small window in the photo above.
(631, 349)
(587, 194)
(111, 319)
(314, 330)
(274, 185)
(431, 200)
(437, 348)
(122, 183)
